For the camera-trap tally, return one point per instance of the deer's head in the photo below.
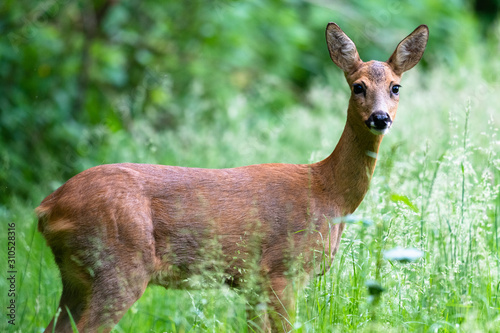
(375, 85)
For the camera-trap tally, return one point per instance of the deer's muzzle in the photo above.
(379, 122)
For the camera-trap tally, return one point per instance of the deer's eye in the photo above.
(357, 88)
(395, 89)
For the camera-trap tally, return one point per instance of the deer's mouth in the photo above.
(379, 122)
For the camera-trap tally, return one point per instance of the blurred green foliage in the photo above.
(75, 75)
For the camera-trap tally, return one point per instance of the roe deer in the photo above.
(114, 229)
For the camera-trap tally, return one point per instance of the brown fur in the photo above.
(114, 229)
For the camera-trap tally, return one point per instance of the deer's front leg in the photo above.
(281, 303)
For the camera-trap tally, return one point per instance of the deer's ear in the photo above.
(342, 50)
(410, 50)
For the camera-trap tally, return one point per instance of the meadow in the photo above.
(435, 190)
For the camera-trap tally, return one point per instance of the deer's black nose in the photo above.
(379, 122)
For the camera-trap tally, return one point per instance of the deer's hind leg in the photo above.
(99, 308)
(98, 291)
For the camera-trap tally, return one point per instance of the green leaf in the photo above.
(404, 199)
(72, 321)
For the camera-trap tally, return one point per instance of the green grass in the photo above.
(435, 188)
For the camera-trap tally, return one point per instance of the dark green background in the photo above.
(75, 75)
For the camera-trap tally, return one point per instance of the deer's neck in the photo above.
(346, 173)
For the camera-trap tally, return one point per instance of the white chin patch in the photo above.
(380, 132)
